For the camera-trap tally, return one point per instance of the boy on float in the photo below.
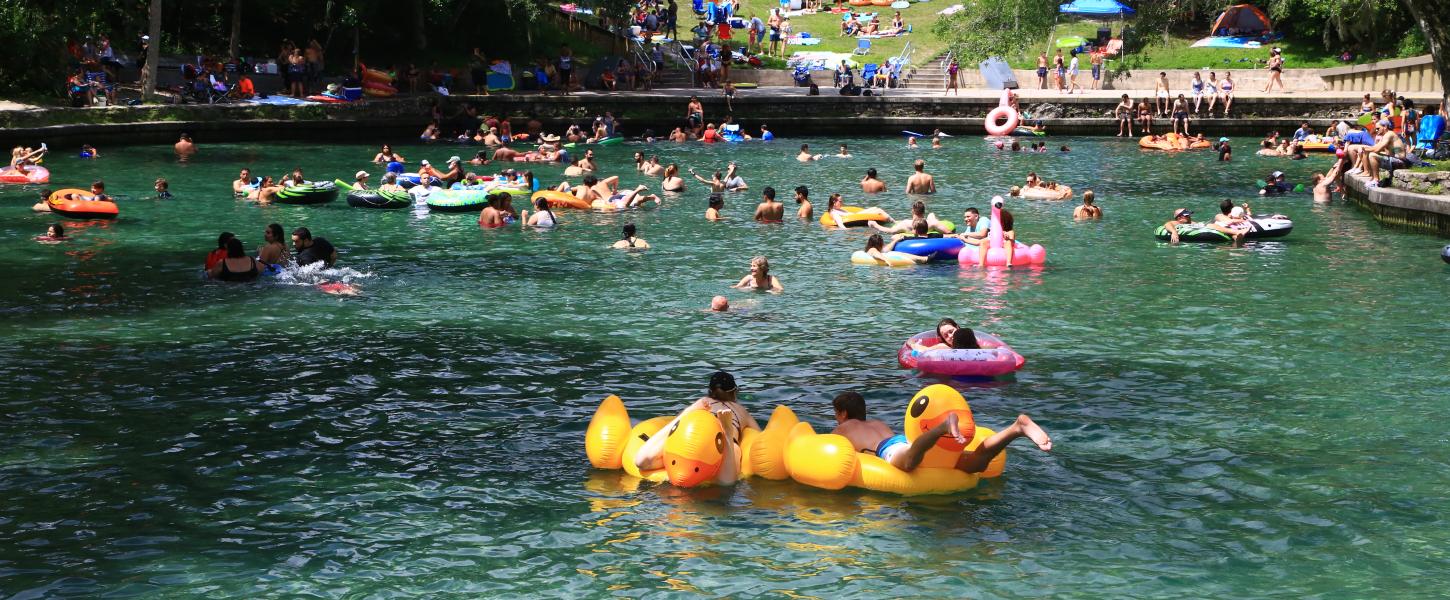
(734, 418)
(874, 437)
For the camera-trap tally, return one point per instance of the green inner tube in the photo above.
(1193, 233)
(308, 193)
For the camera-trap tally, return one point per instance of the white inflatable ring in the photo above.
(1001, 112)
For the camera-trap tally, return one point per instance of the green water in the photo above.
(1240, 422)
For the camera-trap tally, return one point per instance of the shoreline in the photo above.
(788, 110)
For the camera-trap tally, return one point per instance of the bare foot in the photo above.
(1030, 429)
(953, 430)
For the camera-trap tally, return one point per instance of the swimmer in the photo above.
(678, 135)
(716, 204)
(595, 188)
(653, 168)
(876, 248)
(273, 250)
(1324, 184)
(543, 217)
(236, 266)
(911, 143)
(716, 181)
(54, 234)
(360, 180)
(843, 152)
(574, 170)
(184, 147)
(624, 200)
(22, 157)
(950, 336)
(1088, 210)
(805, 154)
(479, 158)
(936, 143)
(587, 163)
(920, 182)
(390, 184)
(871, 184)
(89, 151)
(760, 278)
(1183, 217)
(492, 215)
(163, 189)
(386, 155)
(974, 227)
(216, 256)
(630, 241)
(874, 437)
(765, 134)
(769, 210)
(265, 190)
(672, 181)
(720, 304)
(44, 204)
(803, 210)
(311, 250)
(243, 182)
(733, 181)
(721, 400)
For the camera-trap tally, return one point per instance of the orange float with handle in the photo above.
(557, 199)
(80, 204)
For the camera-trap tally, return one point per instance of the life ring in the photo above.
(1001, 112)
(557, 199)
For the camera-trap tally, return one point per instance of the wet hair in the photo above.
(629, 230)
(833, 199)
(57, 228)
(390, 178)
(541, 204)
(1088, 197)
(871, 172)
(221, 240)
(235, 249)
(946, 321)
(302, 233)
(850, 403)
(875, 241)
(716, 201)
(590, 180)
(965, 339)
(1016, 146)
(805, 147)
(803, 191)
(769, 193)
(764, 264)
(1227, 205)
(1006, 221)
(919, 226)
(918, 208)
(276, 231)
(721, 382)
(671, 170)
(98, 184)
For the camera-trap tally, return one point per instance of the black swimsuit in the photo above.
(230, 275)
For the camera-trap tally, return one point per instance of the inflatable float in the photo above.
(32, 175)
(790, 449)
(1022, 254)
(557, 199)
(458, 200)
(1259, 228)
(1000, 359)
(1172, 143)
(377, 83)
(1062, 192)
(1021, 131)
(1445, 254)
(308, 193)
(891, 259)
(374, 198)
(80, 204)
(1318, 146)
(934, 248)
(1003, 119)
(852, 219)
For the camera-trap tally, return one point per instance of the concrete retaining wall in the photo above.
(1402, 75)
(1408, 210)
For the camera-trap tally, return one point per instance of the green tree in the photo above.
(1434, 22)
(1007, 28)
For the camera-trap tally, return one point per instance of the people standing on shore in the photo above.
(1072, 74)
(952, 77)
(1096, 58)
(1059, 71)
(1042, 70)
(1161, 92)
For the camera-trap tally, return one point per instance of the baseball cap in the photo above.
(1278, 174)
(361, 174)
(454, 159)
(424, 162)
(1182, 212)
(722, 381)
(1223, 139)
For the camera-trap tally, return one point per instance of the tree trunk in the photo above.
(1434, 20)
(153, 54)
(235, 47)
(420, 29)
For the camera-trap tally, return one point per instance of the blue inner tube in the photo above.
(928, 246)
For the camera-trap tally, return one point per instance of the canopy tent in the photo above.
(1242, 20)
(1096, 8)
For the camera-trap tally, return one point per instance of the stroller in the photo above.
(802, 76)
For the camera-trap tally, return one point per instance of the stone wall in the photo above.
(1435, 183)
(1399, 208)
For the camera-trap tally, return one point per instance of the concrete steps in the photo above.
(931, 75)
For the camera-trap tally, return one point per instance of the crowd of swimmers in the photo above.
(230, 261)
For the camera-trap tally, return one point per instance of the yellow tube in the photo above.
(766, 453)
(608, 431)
(695, 449)
(637, 437)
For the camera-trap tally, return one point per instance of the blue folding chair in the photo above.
(862, 47)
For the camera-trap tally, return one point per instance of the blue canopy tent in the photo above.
(1096, 8)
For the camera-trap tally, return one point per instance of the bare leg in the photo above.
(977, 460)
(1010, 245)
(911, 458)
(730, 471)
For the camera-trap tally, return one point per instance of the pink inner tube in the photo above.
(970, 363)
(1001, 112)
(32, 174)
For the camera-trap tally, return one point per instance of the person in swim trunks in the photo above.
(769, 210)
(875, 437)
(721, 400)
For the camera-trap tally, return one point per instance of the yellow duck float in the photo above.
(791, 449)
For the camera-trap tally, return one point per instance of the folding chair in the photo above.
(862, 47)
